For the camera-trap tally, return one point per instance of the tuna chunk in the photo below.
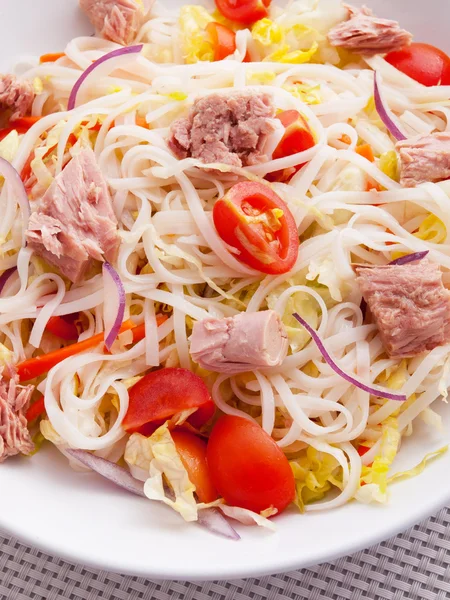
(14, 401)
(117, 20)
(424, 158)
(16, 96)
(365, 34)
(230, 129)
(410, 306)
(74, 221)
(242, 343)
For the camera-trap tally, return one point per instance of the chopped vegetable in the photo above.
(34, 367)
(366, 152)
(243, 11)
(51, 57)
(247, 467)
(36, 409)
(256, 221)
(62, 328)
(297, 138)
(223, 40)
(423, 62)
(375, 391)
(384, 112)
(114, 303)
(161, 394)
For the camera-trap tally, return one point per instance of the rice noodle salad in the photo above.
(225, 253)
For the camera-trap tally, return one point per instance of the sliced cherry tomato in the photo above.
(247, 467)
(243, 11)
(36, 410)
(192, 451)
(161, 394)
(297, 138)
(63, 328)
(21, 125)
(223, 40)
(252, 218)
(424, 63)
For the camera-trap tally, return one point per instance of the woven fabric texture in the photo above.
(412, 566)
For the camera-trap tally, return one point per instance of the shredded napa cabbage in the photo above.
(309, 94)
(9, 146)
(324, 271)
(388, 163)
(195, 42)
(315, 474)
(417, 470)
(374, 478)
(293, 44)
(6, 356)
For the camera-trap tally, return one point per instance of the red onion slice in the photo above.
(5, 276)
(213, 520)
(210, 518)
(111, 55)
(404, 260)
(375, 391)
(385, 113)
(109, 470)
(12, 179)
(114, 304)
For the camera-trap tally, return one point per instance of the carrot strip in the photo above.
(366, 152)
(35, 410)
(51, 57)
(34, 367)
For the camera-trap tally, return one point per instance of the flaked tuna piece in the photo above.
(410, 306)
(14, 401)
(74, 221)
(424, 158)
(368, 35)
(225, 128)
(16, 96)
(242, 343)
(117, 20)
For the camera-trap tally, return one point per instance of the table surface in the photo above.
(412, 566)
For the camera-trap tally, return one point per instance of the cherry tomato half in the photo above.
(297, 138)
(192, 451)
(247, 467)
(424, 63)
(252, 218)
(63, 327)
(243, 11)
(161, 394)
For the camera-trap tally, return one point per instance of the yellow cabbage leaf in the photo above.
(315, 473)
(195, 42)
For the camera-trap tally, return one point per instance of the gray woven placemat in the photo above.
(412, 566)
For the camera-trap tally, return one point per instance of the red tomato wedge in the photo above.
(192, 451)
(161, 394)
(247, 467)
(223, 40)
(21, 125)
(297, 138)
(62, 328)
(252, 218)
(423, 62)
(244, 11)
(363, 449)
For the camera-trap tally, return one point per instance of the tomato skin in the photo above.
(161, 394)
(192, 451)
(247, 467)
(297, 138)
(423, 62)
(233, 225)
(62, 328)
(243, 11)
(223, 40)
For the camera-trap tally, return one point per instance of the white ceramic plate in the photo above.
(84, 519)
